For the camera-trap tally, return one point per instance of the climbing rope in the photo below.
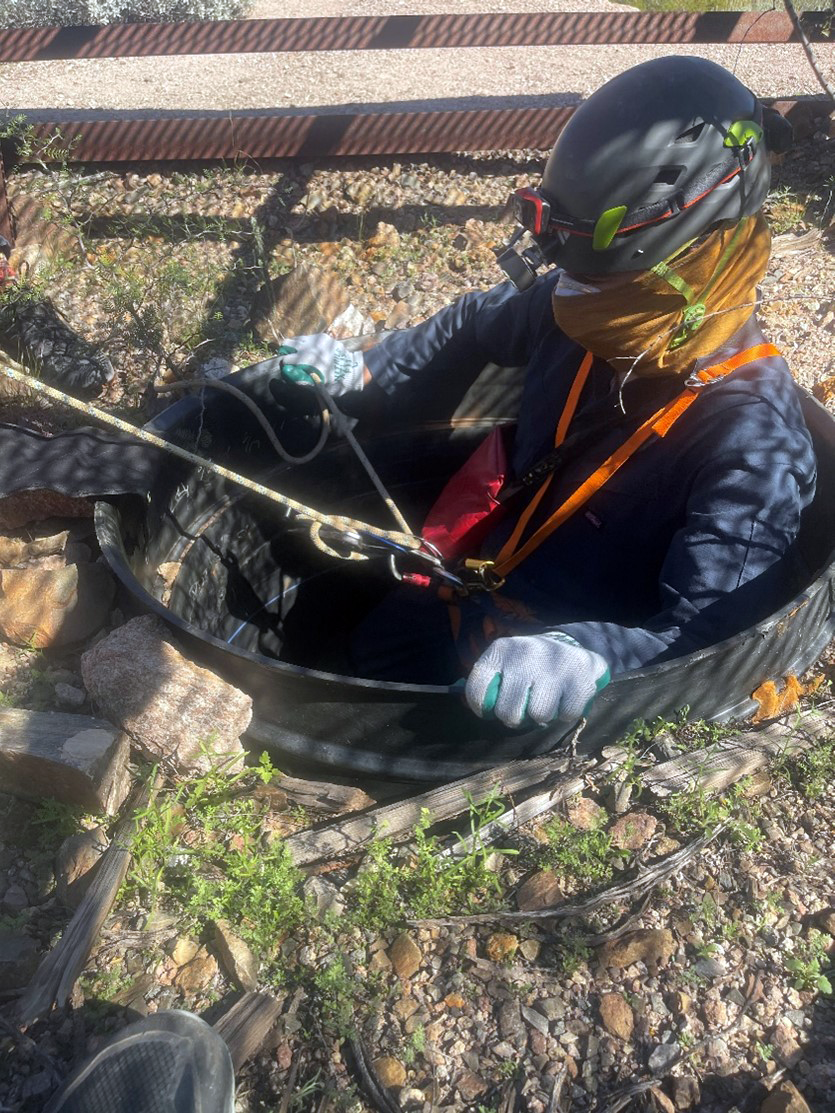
(358, 536)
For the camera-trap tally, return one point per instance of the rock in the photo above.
(786, 1048)
(16, 552)
(184, 950)
(72, 758)
(47, 607)
(653, 946)
(384, 236)
(680, 1003)
(75, 864)
(69, 696)
(552, 1008)
(25, 507)
(785, 1098)
(237, 959)
(663, 1057)
(529, 949)
(325, 896)
(470, 1085)
(824, 920)
(634, 830)
(715, 1013)
(584, 814)
(390, 1071)
(305, 300)
(174, 710)
(405, 955)
(501, 946)
(686, 1091)
(616, 1015)
(197, 975)
(661, 1101)
(511, 1026)
(540, 890)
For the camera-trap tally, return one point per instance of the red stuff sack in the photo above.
(467, 508)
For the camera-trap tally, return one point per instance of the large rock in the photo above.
(305, 300)
(72, 758)
(44, 607)
(785, 1098)
(175, 711)
(653, 946)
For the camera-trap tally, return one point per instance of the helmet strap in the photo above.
(696, 304)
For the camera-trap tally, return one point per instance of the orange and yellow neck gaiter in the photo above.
(663, 320)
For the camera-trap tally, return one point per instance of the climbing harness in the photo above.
(490, 575)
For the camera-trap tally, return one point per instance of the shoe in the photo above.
(171, 1062)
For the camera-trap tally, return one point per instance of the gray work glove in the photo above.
(322, 359)
(535, 679)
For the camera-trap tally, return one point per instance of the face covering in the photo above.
(663, 320)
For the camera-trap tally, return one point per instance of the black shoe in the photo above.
(171, 1062)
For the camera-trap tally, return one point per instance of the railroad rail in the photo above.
(162, 136)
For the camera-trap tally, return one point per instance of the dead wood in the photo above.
(392, 820)
(319, 797)
(57, 973)
(245, 1026)
(731, 759)
(647, 879)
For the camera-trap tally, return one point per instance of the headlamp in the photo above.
(531, 210)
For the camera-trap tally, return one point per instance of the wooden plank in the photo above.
(76, 759)
(729, 760)
(392, 820)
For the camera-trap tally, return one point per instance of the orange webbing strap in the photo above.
(659, 424)
(562, 430)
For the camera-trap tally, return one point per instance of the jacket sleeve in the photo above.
(501, 324)
(730, 563)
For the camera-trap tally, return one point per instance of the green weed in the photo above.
(424, 882)
(586, 856)
(810, 965)
(201, 850)
(810, 773)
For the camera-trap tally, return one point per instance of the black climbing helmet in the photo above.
(653, 159)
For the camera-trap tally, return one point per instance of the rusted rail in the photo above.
(140, 136)
(133, 138)
(398, 32)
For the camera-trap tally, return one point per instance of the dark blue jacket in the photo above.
(691, 541)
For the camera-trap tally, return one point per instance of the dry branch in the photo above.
(56, 975)
(392, 820)
(647, 879)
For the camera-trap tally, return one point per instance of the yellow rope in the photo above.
(14, 371)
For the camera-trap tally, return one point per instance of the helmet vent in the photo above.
(668, 175)
(691, 135)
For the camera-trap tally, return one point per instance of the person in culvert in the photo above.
(657, 473)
